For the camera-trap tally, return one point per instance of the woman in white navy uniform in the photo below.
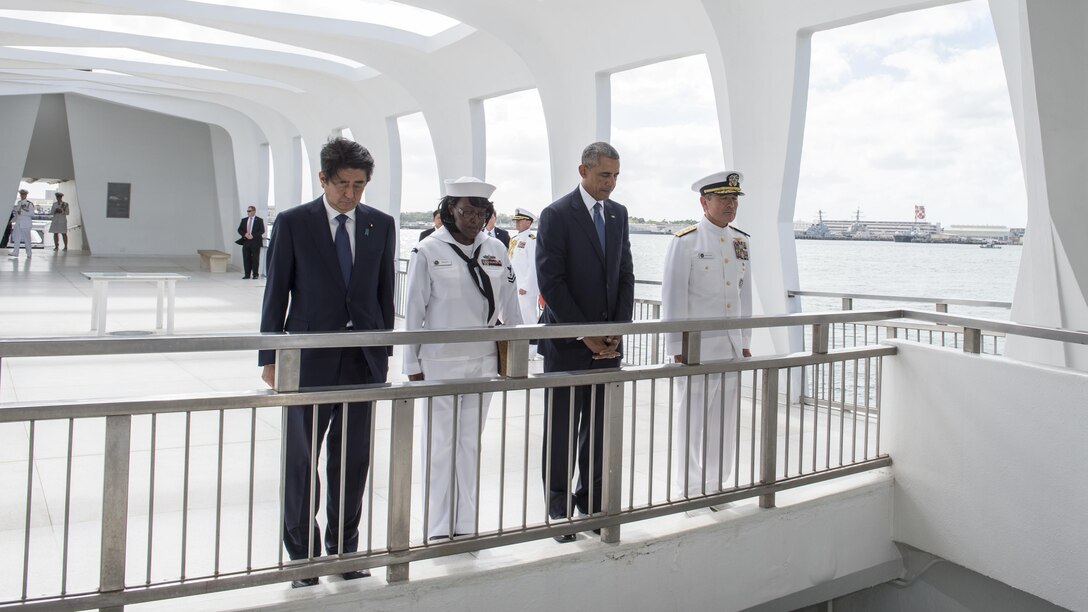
(457, 277)
(707, 275)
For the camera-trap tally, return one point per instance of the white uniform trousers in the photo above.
(704, 418)
(20, 234)
(528, 305)
(453, 474)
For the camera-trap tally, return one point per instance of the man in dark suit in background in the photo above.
(585, 272)
(437, 224)
(330, 268)
(497, 232)
(251, 230)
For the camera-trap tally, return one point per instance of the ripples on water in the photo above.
(887, 268)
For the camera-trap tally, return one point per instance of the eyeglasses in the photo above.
(478, 215)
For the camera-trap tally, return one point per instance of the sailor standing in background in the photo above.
(59, 225)
(22, 220)
(523, 259)
(708, 275)
(457, 277)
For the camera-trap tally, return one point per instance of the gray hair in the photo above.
(592, 154)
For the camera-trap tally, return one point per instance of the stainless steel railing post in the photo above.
(400, 486)
(287, 369)
(612, 469)
(821, 334)
(517, 359)
(972, 340)
(115, 505)
(768, 456)
(691, 348)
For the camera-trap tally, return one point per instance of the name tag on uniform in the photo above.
(442, 263)
(705, 256)
(490, 261)
(740, 247)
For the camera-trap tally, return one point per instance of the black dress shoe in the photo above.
(303, 582)
(566, 537)
(355, 575)
(244, 277)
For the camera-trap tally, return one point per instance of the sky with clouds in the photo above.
(905, 110)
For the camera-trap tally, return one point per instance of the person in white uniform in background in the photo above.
(22, 220)
(707, 275)
(523, 259)
(457, 277)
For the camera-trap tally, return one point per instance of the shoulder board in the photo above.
(416, 250)
(687, 230)
(532, 236)
(740, 232)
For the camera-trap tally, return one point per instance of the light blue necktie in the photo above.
(343, 248)
(598, 221)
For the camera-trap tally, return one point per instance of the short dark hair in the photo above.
(340, 153)
(445, 208)
(592, 154)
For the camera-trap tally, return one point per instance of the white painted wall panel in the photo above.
(988, 454)
(168, 161)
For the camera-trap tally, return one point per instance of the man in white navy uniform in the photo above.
(457, 277)
(523, 259)
(22, 215)
(708, 274)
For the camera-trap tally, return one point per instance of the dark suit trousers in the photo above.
(354, 451)
(574, 432)
(7, 231)
(251, 257)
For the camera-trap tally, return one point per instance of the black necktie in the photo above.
(479, 277)
(598, 221)
(343, 248)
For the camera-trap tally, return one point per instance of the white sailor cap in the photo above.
(725, 183)
(524, 214)
(468, 187)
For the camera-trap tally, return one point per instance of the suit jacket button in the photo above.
(348, 300)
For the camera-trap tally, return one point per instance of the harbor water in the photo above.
(948, 271)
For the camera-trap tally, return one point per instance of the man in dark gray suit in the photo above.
(330, 268)
(585, 273)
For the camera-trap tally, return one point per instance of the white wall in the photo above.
(988, 456)
(17, 117)
(748, 557)
(168, 161)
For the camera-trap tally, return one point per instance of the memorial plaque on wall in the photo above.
(117, 200)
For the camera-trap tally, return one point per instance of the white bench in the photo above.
(101, 281)
(212, 260)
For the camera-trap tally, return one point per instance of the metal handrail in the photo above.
(96, 345)
(179, 343)
(833, 369)
(899, 298)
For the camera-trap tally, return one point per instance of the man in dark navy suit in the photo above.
(330, 268)
(497, 232)
(251, 232)
(584, 268)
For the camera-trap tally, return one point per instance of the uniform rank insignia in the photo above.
(442, 263)
(740, 246)
(490, 261)
(510, 278)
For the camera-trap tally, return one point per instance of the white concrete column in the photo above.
(1043, 48)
